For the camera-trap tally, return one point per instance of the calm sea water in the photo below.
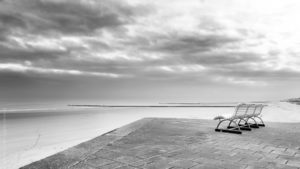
(28, 134)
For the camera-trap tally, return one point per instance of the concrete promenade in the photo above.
(154, 143)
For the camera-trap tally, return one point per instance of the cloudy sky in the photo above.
(149, 50)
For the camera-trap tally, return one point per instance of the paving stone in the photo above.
(97, 162)
(125, 167)
(282, 166)
(219, 164)
(283, 152)
(205, 166)
(127, 159)
(152, 161)
(82, 165)
(140, 163)
(268, 149)
(287, 157)
(226, 157)
(229, 165)
(184, 163)
(281, 160)
(173, 154)
(294, 163)
(111, 165)
(188, 155)
(149, 153)
(281, 148)
(174, 167)
(158, 158)
(292, 151)
(254, 163)
(246, 157)
(254, 167)
(208, 161)
(158, 164)
(265, 155)
(107, 154)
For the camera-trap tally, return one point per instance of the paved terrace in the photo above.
(182, 143)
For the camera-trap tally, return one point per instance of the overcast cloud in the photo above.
(234, 43)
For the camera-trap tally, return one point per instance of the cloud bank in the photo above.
(237, 42)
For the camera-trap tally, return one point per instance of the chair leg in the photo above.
(232, 127)
(221, 121)
(244, 126)
(241, 125)
(237, 126)
(262, 124)
(255, 125)
(229, 123)
(235, 130)
(248, 125)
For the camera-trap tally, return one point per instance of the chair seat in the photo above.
(249, 116)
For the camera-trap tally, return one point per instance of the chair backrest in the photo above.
(241, 109)
(258, 109)
(251, 109)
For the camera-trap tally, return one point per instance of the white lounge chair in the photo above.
(239, 114)
(257, 115)
(252, 109)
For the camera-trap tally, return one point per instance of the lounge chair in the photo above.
(238, 115)
(257, 115)
(250, 114)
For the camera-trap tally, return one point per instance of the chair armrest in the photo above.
(219, 117)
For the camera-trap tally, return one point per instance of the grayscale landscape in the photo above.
(126, 83)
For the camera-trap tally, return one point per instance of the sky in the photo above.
(128, 51)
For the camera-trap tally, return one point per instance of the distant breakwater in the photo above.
(153, 106)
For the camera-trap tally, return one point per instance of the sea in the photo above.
(31, 132)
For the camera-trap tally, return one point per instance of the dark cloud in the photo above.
(211, 47)
(35, 55)
(7, 21)
(67, 16)
(224, 58)
(72, 17)
(54, 45)
(189, 44)
(32, 20)
(245, 70)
